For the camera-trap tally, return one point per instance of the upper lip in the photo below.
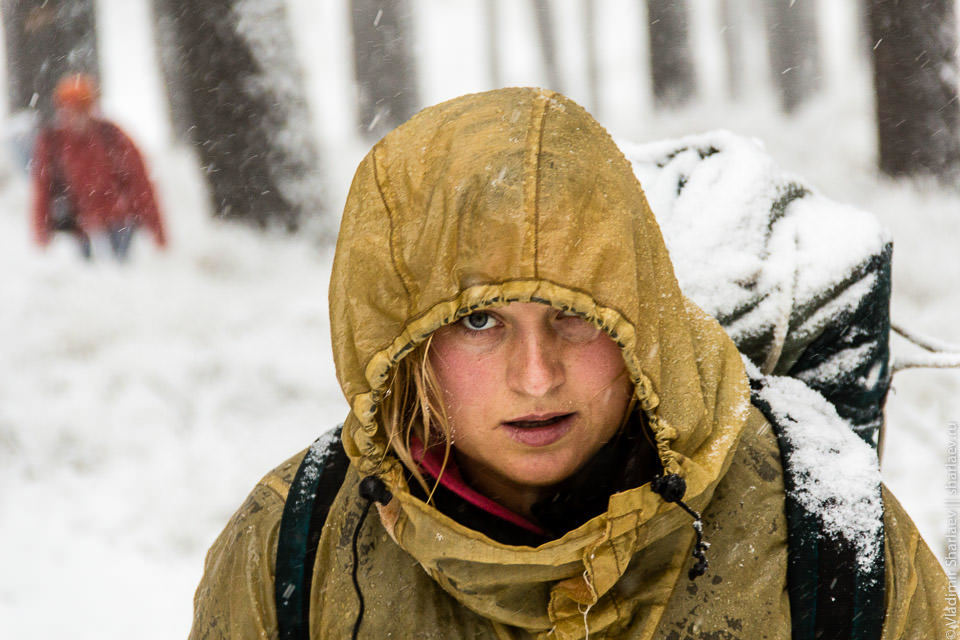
(538, 417)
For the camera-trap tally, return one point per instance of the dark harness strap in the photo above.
(312, 492)
(830, 597)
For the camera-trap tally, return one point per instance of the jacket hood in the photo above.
(519, 195)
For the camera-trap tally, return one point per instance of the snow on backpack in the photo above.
(802, 285)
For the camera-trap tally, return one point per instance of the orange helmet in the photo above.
(78, 90)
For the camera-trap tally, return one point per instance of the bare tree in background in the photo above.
(915, 78)
(492, 16)
(172, 68)
(383, 64)
(732, 27)
(793, 46)
(863, 28)
(589, 15)
(671, 65)
(46, 39)
(234, 63)
(543, 13)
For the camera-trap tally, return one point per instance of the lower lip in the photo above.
(540, 436)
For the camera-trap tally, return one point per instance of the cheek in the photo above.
(464, 378)
(602, 362)
(603, 380)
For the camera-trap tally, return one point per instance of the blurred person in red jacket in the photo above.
(89, 178)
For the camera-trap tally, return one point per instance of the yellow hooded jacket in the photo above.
(519, 195)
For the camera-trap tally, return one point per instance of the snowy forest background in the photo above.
(139, 404)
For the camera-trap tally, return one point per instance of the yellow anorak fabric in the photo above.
(518, 195)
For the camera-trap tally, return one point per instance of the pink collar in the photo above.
(432, 463)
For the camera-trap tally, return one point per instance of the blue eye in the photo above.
(479, 321)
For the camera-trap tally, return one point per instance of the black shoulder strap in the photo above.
(314, 488)
(830, 597)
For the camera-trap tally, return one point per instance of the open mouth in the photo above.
(533, 424)
(535, 431)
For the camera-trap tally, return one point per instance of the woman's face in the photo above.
(531, 394)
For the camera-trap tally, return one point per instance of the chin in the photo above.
(543, 473)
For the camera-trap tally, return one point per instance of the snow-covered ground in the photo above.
(138, 405)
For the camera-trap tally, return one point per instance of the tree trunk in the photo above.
(731, 14)
(863, 28)
(45, 40)
(237, 80)
(589, 13)
(172, 69)
(794, 57)
(915, 78)
(543, 15)
(383, 64)
(671, 65)
(492, 16)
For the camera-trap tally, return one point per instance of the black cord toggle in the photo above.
(373, 489)
(671, 487)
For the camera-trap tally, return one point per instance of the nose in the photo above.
(536, 366)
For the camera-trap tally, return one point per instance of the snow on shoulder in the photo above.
(321, 449)
(837, 475)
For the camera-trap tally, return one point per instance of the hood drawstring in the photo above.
(372, 489)
(671, 488)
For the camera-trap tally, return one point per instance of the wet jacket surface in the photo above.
(518, 195)
(100, 173)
